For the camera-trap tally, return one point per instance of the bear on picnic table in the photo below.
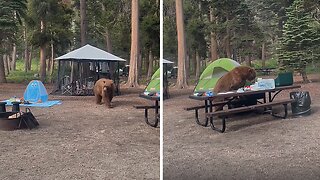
(103, 89)
(234, 80)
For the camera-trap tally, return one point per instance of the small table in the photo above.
(156, 108)
(208, 102)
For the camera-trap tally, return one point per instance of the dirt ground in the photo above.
(253, 146)
(81, 140)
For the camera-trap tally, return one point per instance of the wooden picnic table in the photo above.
(156, 107)
(228, 98)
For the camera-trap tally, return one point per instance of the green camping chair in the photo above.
(213, 73)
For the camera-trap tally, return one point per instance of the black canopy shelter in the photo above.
(165, 78)
(100, 64)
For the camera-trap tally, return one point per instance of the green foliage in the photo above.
(20, 76)
(169, 31)
(299, 44)
(10, 15)
(270, 63)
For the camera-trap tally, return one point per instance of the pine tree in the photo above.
(299, 40)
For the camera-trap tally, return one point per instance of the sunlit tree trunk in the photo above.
(134, 55)
(43, 56)
(84, 31)
(182, 76)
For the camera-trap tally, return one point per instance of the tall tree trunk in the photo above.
(304, 76)
(52, 60)
(13, 58)
(2, 72)
(197, 65)
(227, 45)
(150, 65)
(248, 60)
(182, 76)
(108, 41)
(6, 64)
(83, 30)
(263, 54)
(26, 50)
(187, 66)
(193, 63)
(83, 19)
(30, 58)
(227, 42)
(42, 56)
(213, 37)
(134, 55)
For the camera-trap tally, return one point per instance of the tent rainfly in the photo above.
(213, 73)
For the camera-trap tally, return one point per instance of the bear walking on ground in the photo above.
(234, 80)
(103, 90)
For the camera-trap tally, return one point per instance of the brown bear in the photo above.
(234, 80)
(103, 89)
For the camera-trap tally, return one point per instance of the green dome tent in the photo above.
(213, 72)
(154, 84)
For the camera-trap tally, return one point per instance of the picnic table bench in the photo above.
(156, 108)
(229, 98)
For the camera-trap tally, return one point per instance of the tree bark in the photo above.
(13, 58)
(213, 38)
(228, 48)
(83, 21)
(134, 54)
(42, 56)
(6, 64)
(30, 58)
(263, 54)
(304, 76)
(182, 76)
(197, 65)
(2, 72)
(84, 31)
(52, 61)
(26, 51)
(150, 65)
(248, 60)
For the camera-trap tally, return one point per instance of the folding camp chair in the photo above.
(66, 86)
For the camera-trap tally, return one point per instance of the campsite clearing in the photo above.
(81, 140)
(253, 147)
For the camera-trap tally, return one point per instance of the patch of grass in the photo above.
(20, 76)
(270, 63)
